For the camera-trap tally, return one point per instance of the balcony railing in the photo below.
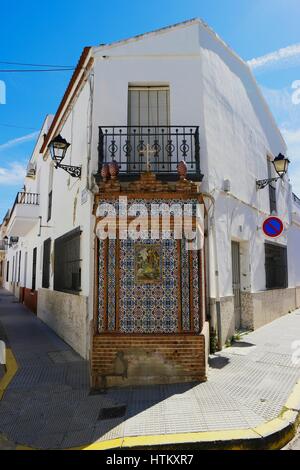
(24, 214)
(162, 146)
(26, 198)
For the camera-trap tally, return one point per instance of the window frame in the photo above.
(283, 265)
(49, 212)
(148, 88)
(59, 267)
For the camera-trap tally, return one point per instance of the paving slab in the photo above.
(48, 404)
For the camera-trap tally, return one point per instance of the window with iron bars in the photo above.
(67, 269)
(276, 266)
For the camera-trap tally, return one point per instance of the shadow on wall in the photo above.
(255, 96)
(259, 105)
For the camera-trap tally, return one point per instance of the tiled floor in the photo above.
(48, 405)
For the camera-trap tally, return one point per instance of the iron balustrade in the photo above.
(164, 146)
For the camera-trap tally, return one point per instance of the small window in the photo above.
(7, 271)
(46, 263)
(49, 206)
(276, 266)
(50, 192)
(67, 270)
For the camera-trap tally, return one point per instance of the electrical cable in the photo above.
(18, 127)
(36, 65)
(35, 70)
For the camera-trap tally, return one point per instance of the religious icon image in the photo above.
(147, 263)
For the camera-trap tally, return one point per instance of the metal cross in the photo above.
(148, 153)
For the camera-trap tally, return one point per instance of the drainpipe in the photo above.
(217, 282)
(212, 237)
(90, 128)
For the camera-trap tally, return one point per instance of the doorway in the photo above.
(148, 125)
(236, 282)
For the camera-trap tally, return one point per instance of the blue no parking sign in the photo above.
(273, 227)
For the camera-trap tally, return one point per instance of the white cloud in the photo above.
(287, 56)
(292, 138)
(12, 175)
(19, 140)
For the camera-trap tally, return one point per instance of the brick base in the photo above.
(122, 360)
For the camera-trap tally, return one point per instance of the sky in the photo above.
(264, 32)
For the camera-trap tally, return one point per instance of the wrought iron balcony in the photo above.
(163, 147)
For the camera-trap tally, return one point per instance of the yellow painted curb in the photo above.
(273, 434)
(173, 439)
(11, 369)
(293, 402)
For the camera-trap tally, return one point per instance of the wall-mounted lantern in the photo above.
(281, 164)
(58, 148)
(11, 241)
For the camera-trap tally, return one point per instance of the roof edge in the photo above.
(137, 37)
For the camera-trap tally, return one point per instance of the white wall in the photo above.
(210, 87)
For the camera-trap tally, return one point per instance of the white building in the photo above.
(186, 86)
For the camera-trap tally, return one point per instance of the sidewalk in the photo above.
(48, 402)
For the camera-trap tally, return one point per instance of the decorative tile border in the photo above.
(169, 306)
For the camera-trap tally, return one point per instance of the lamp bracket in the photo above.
(74, 171)
(260, 184)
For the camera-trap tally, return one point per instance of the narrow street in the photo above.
(48, 403)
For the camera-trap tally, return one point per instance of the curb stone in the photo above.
(271, 435)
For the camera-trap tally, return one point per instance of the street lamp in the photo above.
(281, 164)
(58, 148)
(9, 242)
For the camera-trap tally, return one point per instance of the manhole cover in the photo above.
(112, 412)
